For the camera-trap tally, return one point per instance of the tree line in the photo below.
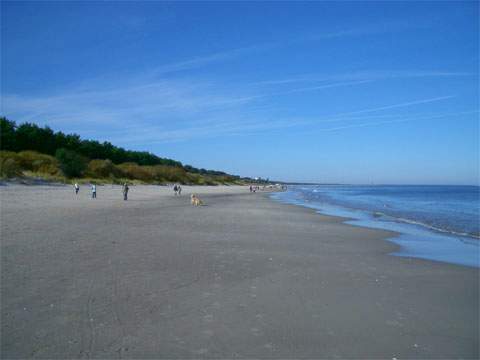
(29, 136)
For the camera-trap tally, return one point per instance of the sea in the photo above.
(439, 223)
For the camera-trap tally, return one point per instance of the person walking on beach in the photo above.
(179, 189)
(175, 189)
(76, 188)
(125, 191)
(94, 191)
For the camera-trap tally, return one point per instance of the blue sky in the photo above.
(350, 92)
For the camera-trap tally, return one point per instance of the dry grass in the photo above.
(37, 165)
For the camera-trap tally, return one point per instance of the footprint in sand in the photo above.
(208, 317)
(255, 331)
(208, 333)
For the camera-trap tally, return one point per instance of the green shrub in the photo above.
(103, 169)
(71, 163)
(9, 164)
(135, 171)
(7, 155)
(169, 173)
(10, 168)
(39, 163)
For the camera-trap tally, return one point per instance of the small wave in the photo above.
(428, 244)
(477, 236)
(378, 214)
(315, 196)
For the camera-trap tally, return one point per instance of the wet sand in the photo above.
(242, 277)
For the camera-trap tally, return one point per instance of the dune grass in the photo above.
(32, 164)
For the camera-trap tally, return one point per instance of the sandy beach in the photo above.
(242, 277)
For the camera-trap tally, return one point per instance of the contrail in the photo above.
(417, 102)
(364, 124)
(304, 89)
(312, 88)
(394, 121)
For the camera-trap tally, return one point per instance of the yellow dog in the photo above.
(195, 200)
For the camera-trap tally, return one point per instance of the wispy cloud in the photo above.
(399, 105)
(213, 58)
(155, 100)
(389, 26)
(320, 87)
(233, 127)
(370, 75)
(176, 110)
(314, 36)
(248, 126)
(303, 89)
(151, 107)
(163, 102)
(402, 120)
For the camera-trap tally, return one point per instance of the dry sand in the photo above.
(243, 277)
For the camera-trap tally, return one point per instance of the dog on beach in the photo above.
(195, 200)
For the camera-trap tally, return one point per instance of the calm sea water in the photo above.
(436, 222)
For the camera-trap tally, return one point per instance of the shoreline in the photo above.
(242, 277)
(396, 218)
(414, 239)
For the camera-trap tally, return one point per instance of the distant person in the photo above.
(94, 191)
(76, 188)
(179, 189)
(125, 191)
(175, 189)
(251, 188)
